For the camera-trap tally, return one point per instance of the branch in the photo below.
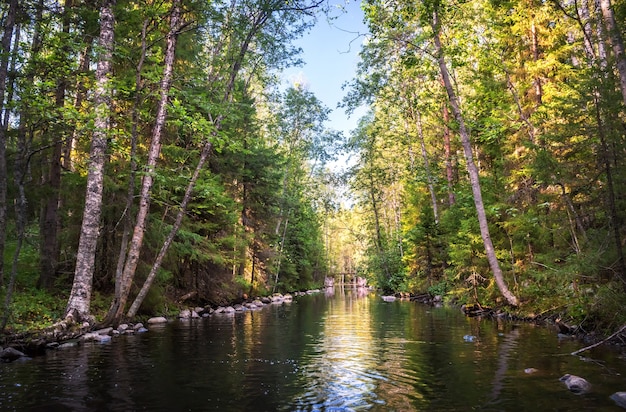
(586, 348)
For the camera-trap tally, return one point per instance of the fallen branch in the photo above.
(586, 348)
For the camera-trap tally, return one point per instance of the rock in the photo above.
(188, 314)
(199, 310)
(219, 309)
(105, 331)
(123, 327)
(575, 383)
(389, 298)
(288, 298)
(138, 326)
(266, 300)
(229, 309)
(620, 399)
(469, 338)
(157, 320)
(69, 344)
(141, 330)
(96, 337)
(531, 370)
(238, 307)
(10, 354)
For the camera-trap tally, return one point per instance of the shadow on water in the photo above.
(344, 350)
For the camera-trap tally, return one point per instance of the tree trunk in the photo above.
(9, 24)
(49, 242)
(617, 43)
(78, 306)
(116, 311)
(471, 167)
(448, 153)
(429, 176)
(130, 194)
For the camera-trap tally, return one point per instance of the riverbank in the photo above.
(65, 334)
(62, 334)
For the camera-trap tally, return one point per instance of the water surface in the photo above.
(327, 352)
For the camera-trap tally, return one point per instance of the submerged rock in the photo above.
(620, 399)
(576, 384)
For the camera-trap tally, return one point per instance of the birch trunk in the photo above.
(118, 305)
(78, 305)
(471, 167)
(257, 24)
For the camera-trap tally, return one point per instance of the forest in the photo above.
(151, 157)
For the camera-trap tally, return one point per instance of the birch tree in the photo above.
(78, 306)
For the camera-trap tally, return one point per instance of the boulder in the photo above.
(575, 383)
(389, 298)
(229, 309)
(10, 354)
(138, 326)
(157, 320)
(95, 337)
(105, 331)
(123, 327)
(238, 307)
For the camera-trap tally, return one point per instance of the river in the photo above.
(344, 351)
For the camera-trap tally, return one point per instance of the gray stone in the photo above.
(157, 320)
(105, 331)
(620, 399)
(576, 384)
(123, 327)
(229, 309)
(10, 354)
(138, 326)
(238, 307)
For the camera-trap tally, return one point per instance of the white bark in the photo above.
(78, 305)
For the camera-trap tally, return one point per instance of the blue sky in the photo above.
(330, 52)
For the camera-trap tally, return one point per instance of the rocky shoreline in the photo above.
(64, 334)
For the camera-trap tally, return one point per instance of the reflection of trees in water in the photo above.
(508, 345)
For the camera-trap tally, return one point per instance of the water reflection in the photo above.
(340, 350)
(340, 367)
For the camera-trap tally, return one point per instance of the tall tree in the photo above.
(119, 300)
(79, 302)
(469, 159)
(7, 36)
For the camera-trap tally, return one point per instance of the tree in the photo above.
(469, 159)
(78, 306)
(7, 36)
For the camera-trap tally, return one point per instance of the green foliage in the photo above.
(34, 309)
(439, 289)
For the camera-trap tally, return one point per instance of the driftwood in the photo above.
(586, 348)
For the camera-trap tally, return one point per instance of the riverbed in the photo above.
(342, 351)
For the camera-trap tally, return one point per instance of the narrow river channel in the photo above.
(344, 351)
